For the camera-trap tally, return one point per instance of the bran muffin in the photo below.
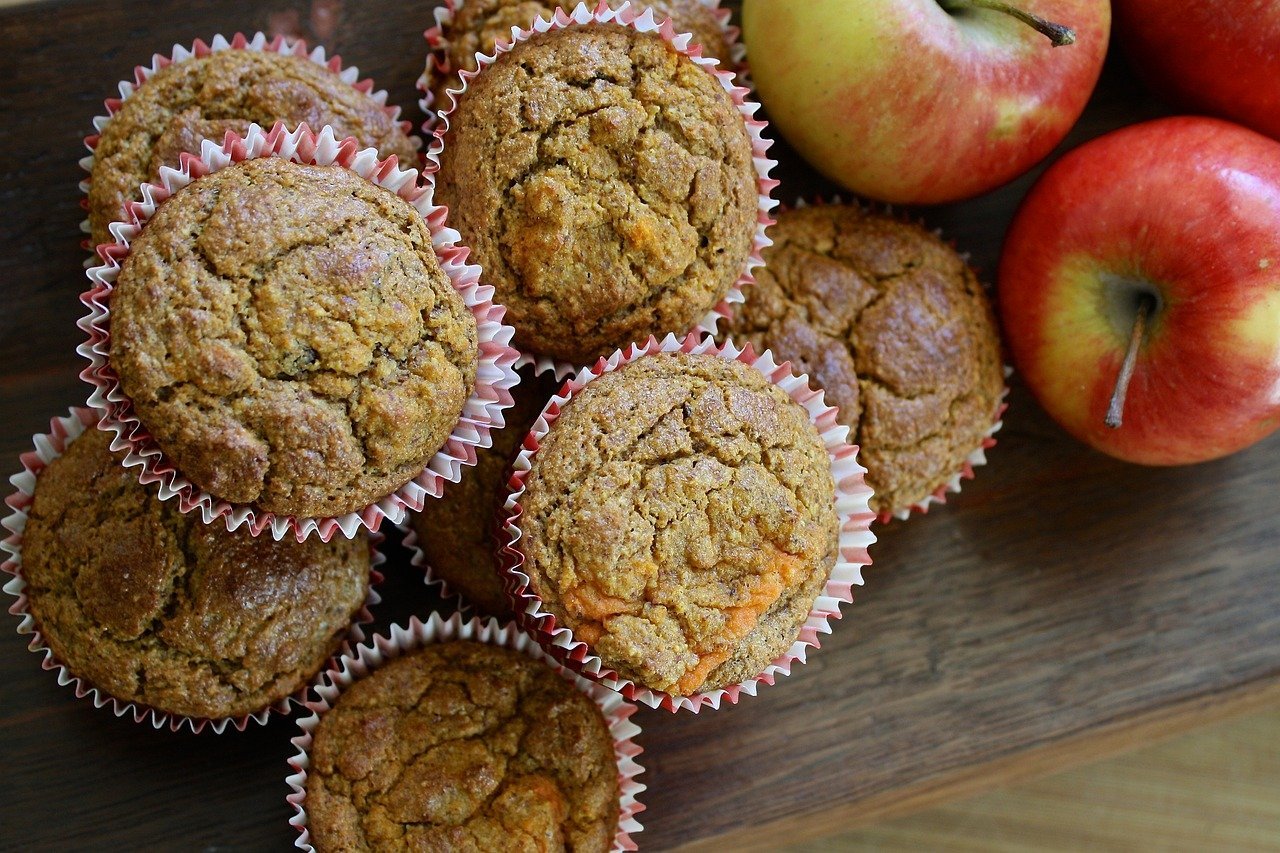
(204, 97)
(456, 532)
(605, 182)
(462, 746)
(288, 338)
(479, 25)
(151, 606)
(895, 327)
(679, 517)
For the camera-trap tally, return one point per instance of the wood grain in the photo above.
(1063, 607)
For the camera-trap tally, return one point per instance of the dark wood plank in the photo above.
(1064, 606)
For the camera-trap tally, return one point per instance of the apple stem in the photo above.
(1057, 34)
(1115, 411)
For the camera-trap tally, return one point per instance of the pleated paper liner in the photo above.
(438, 66)
(495, 374)
(851, 502)
(200, 49)
(48, 447)
(362, 661)
(641, 20)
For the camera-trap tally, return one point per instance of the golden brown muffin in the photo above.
(153, 606)
(680, 519)
(605, 183)
(289, 339)
(892, 324)
(456, 532)
(479, 25)
(203, 98)
(462, 746)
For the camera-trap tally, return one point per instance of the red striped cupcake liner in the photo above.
(495, 373)
(641, 20)
(437, 64)
(48, 447)
(851, 496)
(200, 49)
(401, 640)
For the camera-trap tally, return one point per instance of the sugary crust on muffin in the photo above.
(679, 518)
(462, 746)
(892, 323)
(289, 339)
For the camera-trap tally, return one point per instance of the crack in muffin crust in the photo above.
(462, 746)
(289, 339)
(203, 98)
(152, 606)
(895, 327)
(679, 518)
(606, 184)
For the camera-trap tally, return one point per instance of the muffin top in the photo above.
(480, 24)
(289, 339)
(203, 98)
(155, 607)
(605, 183)
(892, 324)
(680, 518)
(456, 532)
(462, 746)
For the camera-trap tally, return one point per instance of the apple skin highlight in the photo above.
(1188, 208)
(902, 101)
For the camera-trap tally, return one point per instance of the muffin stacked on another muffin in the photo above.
(895, 327)
(456, 532)
(204, 97)
(462, 746)
(605, 183)
(289, 339)
(679, 518)
(476, 26)
(154, 607)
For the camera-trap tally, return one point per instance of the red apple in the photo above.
(1182, 216)
(923, 101)
(1222, 57)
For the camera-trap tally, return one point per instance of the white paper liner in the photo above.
(418, 559)
(641, 21)
(48, 447)
(495, 372)
(200, 49)
(437, 64)
(978, 457)
(852, 496)
(403, 640)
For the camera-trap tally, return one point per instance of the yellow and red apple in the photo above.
(1177, 219)
(923, 101)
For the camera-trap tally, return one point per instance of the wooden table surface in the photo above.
(1063, 607)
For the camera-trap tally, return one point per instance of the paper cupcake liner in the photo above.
(418, 559)
(495, 373)
(851, 501)
(402, 640)
(643, 22)
(978, 457)
(437, 65)
(200, 49)
(48, 447)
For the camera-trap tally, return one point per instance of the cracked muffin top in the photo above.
(895, 327)
(605, 182)
(289, 339)
(479, 25)
(203, 98)
(462, 746)
(155, 607)
(456, 532)
(680, 519)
